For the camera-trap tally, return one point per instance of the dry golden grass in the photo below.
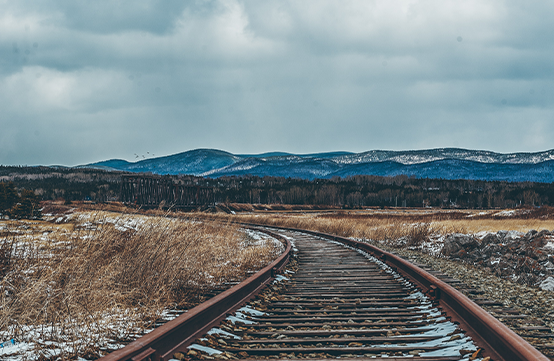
(388, 225)
(494, 225)
(98, 277)
(369, 228)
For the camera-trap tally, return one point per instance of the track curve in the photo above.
(344, 299)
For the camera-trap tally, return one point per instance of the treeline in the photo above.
(14, 204)
(70, 184)
(374, 191)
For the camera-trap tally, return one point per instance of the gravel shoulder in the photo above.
(537, 305)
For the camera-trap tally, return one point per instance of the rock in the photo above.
(468, 242)
(547, 284)
(457, 242)
(230, 355)
(538, 242)
(512, 236)
(530, 234)
(543, 233)
(532, 252)
(450, 247)
(477, 255)
(541, 255)
(179, 356)
(355, 344)
(490, 238)
(503, 268)
(493, 249)
(528, 265)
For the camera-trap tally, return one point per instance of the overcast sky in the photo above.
(83, 81)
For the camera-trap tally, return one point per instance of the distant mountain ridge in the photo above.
(447, 163)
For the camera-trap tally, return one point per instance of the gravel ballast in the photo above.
(537, 327)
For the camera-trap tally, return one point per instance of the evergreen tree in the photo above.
(8, 196)
(28, 206)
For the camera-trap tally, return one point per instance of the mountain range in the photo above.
(446, 163)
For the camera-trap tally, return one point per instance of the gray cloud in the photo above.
(81, 81)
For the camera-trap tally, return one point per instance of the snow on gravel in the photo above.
(32, 345)
(255, 238)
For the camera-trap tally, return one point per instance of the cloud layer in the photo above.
(84, 81)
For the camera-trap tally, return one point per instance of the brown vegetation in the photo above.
(392, 224)
(89, 279)
(377, 228)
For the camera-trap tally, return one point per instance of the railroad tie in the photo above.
(337, 303)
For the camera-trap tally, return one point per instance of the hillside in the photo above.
(445, 163)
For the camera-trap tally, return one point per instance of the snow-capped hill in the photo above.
(447, 163)
(430, 155)
(284, 154)
(192, 162)
(529, 158)
(285, 166)
(242, 165)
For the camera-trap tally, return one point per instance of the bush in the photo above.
(418, 234)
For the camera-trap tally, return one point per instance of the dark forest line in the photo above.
(374, 191)
(95, 185)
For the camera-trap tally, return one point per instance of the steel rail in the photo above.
(177, 334)
(498, 341)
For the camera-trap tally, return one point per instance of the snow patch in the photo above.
(547, 284)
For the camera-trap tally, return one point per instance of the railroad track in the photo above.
(338, 298)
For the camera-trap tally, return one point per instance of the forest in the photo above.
(374, 191)
(70, 184)
(76, 184)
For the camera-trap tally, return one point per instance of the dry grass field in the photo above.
(391, 224)
(82, 281)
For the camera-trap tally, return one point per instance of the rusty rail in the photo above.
(499, 342)
(177, 334)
